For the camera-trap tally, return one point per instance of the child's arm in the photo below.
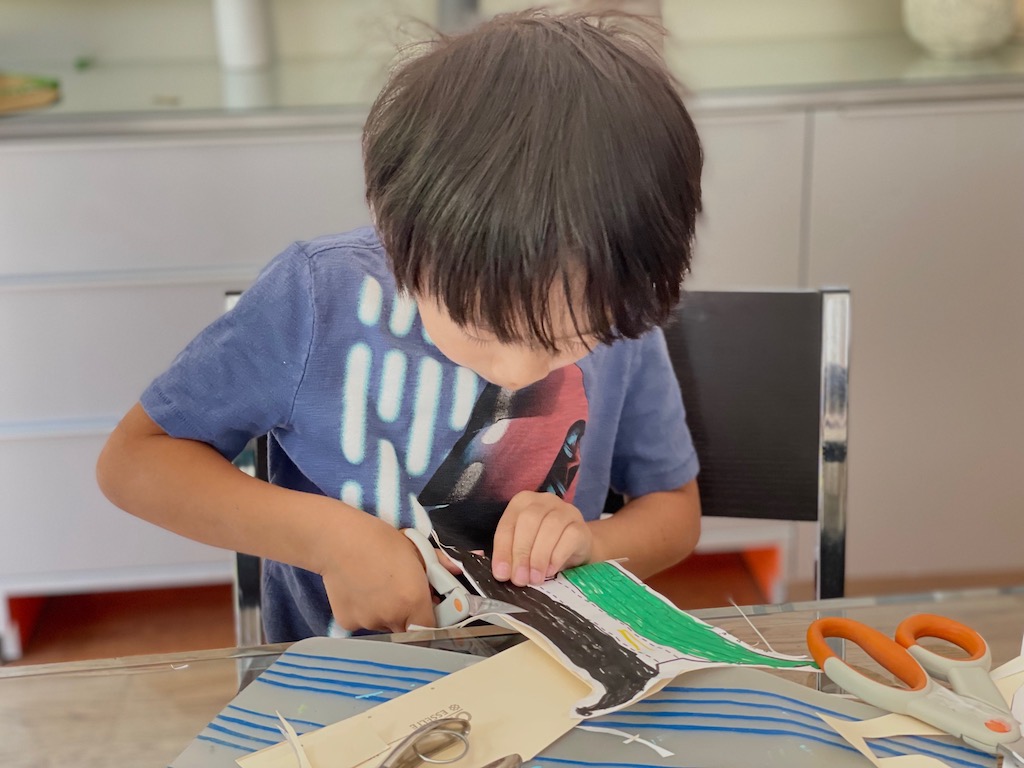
(373, 575)
(654, 531)
(540, 534)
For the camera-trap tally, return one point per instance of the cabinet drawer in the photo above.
(87, 350)
(55, 520)
(120, 204)
(749, 233)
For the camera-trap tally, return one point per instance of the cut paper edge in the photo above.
(293, 739)
(1009, 679)
(857, 732)
(1012, 667)
(496, 618)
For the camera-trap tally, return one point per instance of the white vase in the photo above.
(243, 34)
(959, 28)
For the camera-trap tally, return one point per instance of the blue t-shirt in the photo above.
(323, 353)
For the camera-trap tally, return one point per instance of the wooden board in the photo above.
(20, 92)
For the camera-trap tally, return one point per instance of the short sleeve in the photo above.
(239, 377)
(653, 448)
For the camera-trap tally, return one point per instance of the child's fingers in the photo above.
(528, 527)
(566, 551)
(551, 532)
(501, 553)
(412, 604)
(422, 615)
(447, 562)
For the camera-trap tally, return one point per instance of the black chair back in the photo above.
(764, 380)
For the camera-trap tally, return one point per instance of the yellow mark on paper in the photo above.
(630, 638)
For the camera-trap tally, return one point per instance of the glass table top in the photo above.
(145, 710)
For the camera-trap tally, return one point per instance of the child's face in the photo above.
(511, 366)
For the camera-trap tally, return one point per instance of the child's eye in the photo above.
(475, 340)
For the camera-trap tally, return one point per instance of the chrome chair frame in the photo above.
(247, 585)
(830, 573)
(750, 364)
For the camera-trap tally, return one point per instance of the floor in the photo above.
(74, 627)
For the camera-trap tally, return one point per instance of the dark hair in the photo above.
(533, 151)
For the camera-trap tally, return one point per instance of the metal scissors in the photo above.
(426, 743)
(457, 603)
(973, 710)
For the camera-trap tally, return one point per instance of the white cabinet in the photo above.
(749, 233)
(920, 210)
(114, 252)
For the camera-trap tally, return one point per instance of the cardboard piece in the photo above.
(519, 701)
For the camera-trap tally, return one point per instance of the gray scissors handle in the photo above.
(455, 604)
(967, 676)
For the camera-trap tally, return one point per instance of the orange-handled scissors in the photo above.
(973, 710)
(457, 603)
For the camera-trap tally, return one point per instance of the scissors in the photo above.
(457, 603)
(425, 743)
(973, 710)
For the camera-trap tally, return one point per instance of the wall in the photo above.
(132, 30)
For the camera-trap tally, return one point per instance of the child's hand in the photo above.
(379, 582)
(538, 536)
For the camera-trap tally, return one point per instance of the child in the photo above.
(481, 362)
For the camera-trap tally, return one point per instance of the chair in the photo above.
(246, 587)
(764, 380)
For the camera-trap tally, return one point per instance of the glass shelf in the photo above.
(735, 75)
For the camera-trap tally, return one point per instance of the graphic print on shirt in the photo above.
(400, 410)
(419, 435)
(529, 439)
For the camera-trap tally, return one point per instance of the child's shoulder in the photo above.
(356, 251)
(343, 266)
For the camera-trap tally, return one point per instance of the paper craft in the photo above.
(756, 717)
(615, 633)
(519, 702)
(1010, 680)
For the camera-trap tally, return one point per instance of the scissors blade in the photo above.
(481, 605)
(1012, 754)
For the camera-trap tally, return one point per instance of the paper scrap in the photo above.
(1010, 682)
(858, 731)
(519, 701)
(629, 738)
(293, 739)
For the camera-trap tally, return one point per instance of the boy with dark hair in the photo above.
(484, 362)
